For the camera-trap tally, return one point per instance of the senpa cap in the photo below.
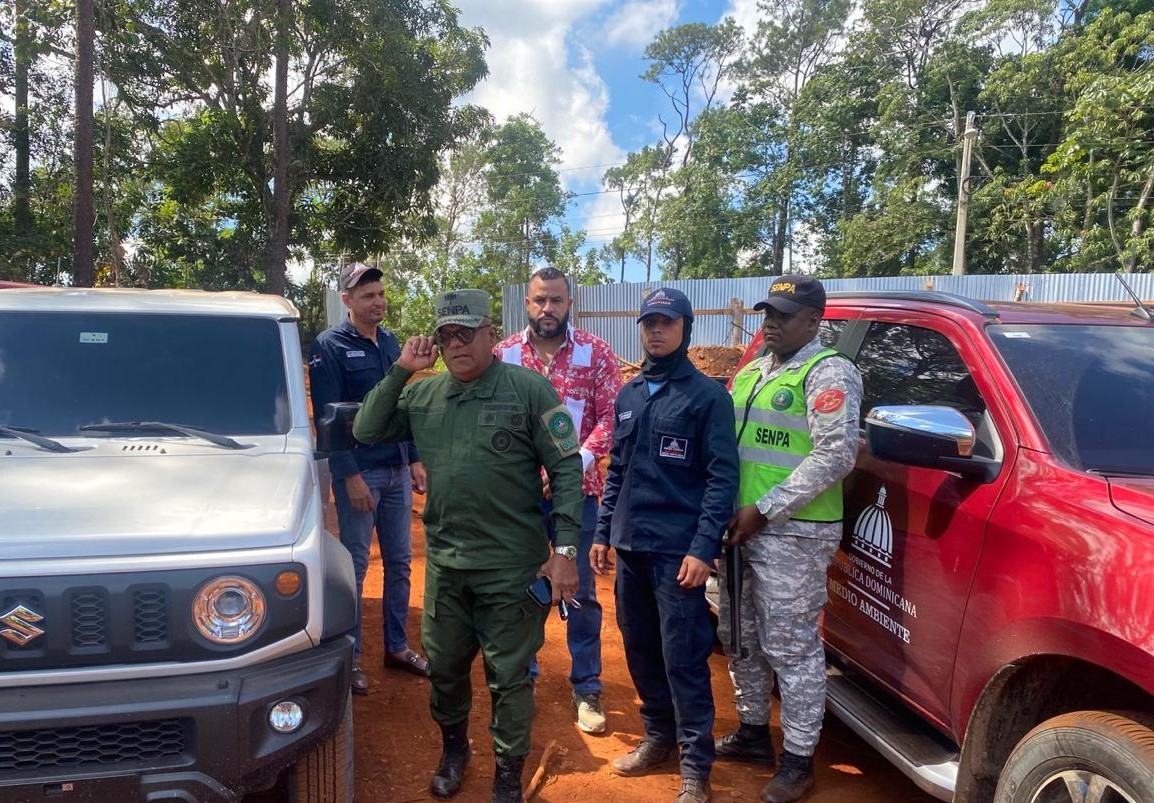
(354, 273)
(463, 308)
(668, 302)
(791, 294)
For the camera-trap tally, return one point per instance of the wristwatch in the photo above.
(566, 552)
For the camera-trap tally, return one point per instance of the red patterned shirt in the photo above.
(585, 375)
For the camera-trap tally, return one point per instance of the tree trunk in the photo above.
(22, 184)
(779, 237)
(117, 253)
(278, 253)
(83, 273)
(649, 256)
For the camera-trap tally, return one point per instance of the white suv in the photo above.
(173, 616)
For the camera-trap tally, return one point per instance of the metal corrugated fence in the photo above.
(610, 310)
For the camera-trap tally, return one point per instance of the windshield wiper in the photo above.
(1110, 472)
(30, 436)
(164, 426)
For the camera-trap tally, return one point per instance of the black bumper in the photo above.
(202, 738)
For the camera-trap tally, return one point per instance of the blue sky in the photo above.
(575, 65)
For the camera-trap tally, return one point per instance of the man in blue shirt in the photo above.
(673, 475)
(372, 485)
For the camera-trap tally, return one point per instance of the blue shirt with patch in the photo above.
(344, 366)
(673, 467)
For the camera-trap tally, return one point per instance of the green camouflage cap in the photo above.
(462, 308)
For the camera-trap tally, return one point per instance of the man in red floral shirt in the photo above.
(583, 370)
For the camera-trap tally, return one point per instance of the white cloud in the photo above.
(745, 13)
(535, 67)
(636, 23)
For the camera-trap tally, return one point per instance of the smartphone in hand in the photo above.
(541, 592)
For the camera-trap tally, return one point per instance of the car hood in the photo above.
(1134, 495)
(76, 505)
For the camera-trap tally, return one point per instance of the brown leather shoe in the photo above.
(409, 660)
(360, 681)
(693, 790)
(645, 757)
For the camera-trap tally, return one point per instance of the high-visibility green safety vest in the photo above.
(773, 437)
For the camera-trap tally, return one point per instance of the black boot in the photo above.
(454, 758)
(507, 779)
(792, 781)
(747, 743)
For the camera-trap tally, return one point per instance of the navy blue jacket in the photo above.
(673, 468)
(344, 365)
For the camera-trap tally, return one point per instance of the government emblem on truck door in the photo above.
(873, 532)
(21, 625)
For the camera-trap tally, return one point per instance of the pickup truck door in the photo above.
(900, 582)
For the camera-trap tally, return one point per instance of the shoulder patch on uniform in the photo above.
(829, 401)
(314, 361)
(559, 424)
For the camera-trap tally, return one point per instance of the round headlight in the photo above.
(286, 716)
(228, 610)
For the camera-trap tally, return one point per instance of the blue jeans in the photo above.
(583, 629)
(391, 515)
(668, 638)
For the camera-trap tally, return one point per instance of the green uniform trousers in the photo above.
(487, 610)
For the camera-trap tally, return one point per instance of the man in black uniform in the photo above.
(669, 494)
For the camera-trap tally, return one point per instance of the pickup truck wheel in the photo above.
(325, 775)
(1082, 757)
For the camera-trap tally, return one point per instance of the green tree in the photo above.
(690, 64)
(524, 196)
(1102, 172)
(794, 40)
(363, 71)
(639, 184)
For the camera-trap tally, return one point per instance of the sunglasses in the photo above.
(463, 334)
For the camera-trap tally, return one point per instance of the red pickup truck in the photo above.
(990, 625)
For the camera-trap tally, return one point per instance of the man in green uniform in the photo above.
(484, 429)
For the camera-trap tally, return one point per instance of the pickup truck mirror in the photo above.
(929, 436)
(335, 430)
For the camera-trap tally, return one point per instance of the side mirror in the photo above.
(928, 436)
(335, 431)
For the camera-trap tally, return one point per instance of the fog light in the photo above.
(286, 717)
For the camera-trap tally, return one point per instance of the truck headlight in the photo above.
(228, 610)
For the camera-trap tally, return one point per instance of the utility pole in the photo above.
(968, 138)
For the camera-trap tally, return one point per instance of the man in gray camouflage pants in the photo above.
(797, 416)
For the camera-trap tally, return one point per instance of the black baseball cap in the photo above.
(354, 273)
(668, 302)
(793, 293)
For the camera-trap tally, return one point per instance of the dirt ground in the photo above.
(398, 744)
(712, 360)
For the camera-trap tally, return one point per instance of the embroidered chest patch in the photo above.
(673, 447)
